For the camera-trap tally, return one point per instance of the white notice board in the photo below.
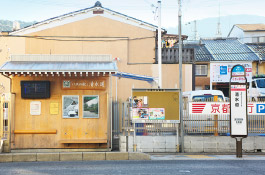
(221, 72)
(35, 108)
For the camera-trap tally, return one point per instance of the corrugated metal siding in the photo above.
(259, 49)
(63, 58)
(58, 66)
(229, 50)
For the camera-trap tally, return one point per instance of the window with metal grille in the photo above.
(201, 70)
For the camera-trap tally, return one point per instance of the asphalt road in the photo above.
(205, 167)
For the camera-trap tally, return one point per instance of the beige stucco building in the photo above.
(80, 37)
(98, 30)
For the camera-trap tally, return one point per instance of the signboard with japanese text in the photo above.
(238, 103)
(220, 72)
(208, 108)
(238, 110)
(84, 84)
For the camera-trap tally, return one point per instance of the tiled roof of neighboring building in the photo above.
(259, 49)
(229, 49)
(251, 27)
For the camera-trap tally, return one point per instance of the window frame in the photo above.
(201, 65)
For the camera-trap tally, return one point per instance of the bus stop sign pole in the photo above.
(238, 106)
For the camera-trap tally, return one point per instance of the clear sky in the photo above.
(38, 10)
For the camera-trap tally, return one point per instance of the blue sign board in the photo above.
(223, 70)
(238, 69)
(260, 108)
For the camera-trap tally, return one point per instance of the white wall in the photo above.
(245, 37)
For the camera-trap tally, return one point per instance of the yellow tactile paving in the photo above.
(198, 156)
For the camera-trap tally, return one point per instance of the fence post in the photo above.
(215, 119)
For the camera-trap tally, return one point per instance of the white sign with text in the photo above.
(238, 110)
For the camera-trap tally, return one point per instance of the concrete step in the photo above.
(72, 156)
(57, 150)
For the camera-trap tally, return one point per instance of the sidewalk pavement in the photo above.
(205, 157)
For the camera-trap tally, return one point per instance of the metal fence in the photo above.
(154, 128)
(219, 124)
(193, 124)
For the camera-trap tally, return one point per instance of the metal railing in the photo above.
(220, 123)
(144, 129)
(193, 123)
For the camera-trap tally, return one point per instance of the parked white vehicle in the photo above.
(204, 95)
(258, 88)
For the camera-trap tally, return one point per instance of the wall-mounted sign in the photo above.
(35, 89)
(84, 84)
(208, 108)
(220, 72)
(54, 108)
(35, 108)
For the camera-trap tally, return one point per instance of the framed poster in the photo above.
(140, 113)
(90, 106)
(140, 101)
(156, 113)
(70, 106)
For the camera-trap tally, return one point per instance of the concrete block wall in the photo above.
(192, 144)
(208, 144)
(149, 143)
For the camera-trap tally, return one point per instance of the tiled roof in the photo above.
(229, 49)
(251, 27)
(259, 49)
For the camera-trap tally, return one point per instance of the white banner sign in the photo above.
(214, 108)
(238, 110)
(220, 72)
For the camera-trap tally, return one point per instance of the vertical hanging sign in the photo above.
(238, 106)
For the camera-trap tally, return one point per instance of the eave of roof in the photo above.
(58, 68)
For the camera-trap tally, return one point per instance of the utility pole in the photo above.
(180, 79)
(159, 46)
